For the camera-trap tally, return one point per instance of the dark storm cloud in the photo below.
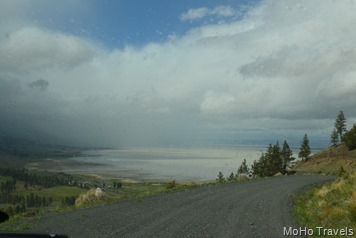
(40, 83)
(9, 88)
(284, 68)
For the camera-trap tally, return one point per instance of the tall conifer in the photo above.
(340, 124)
(305, 151)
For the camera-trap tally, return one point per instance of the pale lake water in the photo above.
(154, 164)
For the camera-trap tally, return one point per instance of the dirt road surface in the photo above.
(258, 208)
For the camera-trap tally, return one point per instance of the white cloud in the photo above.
(193, 14)
(226, 11)
(280, 67)
(215, 102)
(34, 48)
(199, 13)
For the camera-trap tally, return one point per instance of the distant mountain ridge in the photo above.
(16, 151)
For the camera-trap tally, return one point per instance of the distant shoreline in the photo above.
(141, 164)
(161, 163)
(101, 171)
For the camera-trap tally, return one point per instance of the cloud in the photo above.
(225, 11)
(217, 102)
(40, 83)
(199, 13)
(193, 14)
(33, 48)
(285, 68)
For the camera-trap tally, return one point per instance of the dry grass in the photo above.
(332, 205)
(92, 196)
(330, 160)
(322, 192)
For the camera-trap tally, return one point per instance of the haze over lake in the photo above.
(182, 164)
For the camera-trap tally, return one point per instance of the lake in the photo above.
(181, 164)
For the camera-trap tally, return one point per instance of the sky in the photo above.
(171, 73)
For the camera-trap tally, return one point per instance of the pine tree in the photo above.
(334, 138)
(231, 177)
(305, 151)
(267, 161)
(350, 138)
(220, 178)
(286, 157)
(243, 168)
(257, 167)
(270, 162)
(276, 159)
(340, 124)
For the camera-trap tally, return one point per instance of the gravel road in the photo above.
(251, 209)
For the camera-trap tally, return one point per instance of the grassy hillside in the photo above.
(330, 160)
(332, 205)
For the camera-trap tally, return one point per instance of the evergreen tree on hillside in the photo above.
(231, 177)
(256, 167)
(334, 138)
(276, 159)
(221, 178)
(243, 168)
(350, 138)
(305, 151)
(340, 124)
(265, 165)
(269, 163)
(286, 155)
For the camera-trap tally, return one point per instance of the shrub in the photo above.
(68, 201)
(89, 197)
(341, 172)
(171, 184)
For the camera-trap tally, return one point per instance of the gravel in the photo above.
(259, 208)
